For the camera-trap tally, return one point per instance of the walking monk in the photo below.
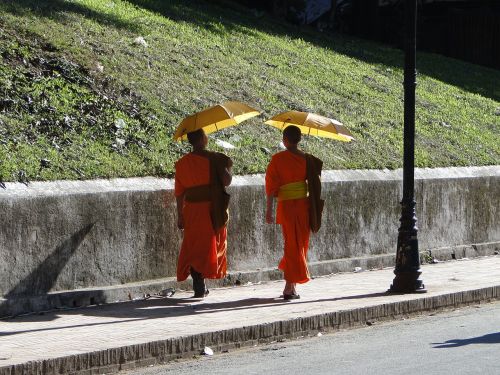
(293, 177)
(200, 180)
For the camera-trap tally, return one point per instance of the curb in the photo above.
(129, 357)
(134, 291)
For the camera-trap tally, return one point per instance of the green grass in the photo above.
(62, 118)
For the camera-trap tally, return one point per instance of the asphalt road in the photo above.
(465, 341)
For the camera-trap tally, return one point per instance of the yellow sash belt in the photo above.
(294, 190)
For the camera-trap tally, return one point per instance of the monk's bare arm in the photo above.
(272, 186)
(269, 209)
(227, 177)
(180, 216)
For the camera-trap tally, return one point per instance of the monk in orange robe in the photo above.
(198, 176)
(288, 176)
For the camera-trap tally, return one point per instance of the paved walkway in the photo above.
(70, 332)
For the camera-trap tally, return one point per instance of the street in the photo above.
(464, 341)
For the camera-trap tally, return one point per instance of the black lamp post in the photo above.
(407, 269)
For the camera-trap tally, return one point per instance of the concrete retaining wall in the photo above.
(67, 235)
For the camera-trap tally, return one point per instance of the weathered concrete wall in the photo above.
(67, 235)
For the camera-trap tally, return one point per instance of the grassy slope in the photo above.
(58, 106)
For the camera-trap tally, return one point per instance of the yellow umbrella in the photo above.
(312, 124)
(215, 118)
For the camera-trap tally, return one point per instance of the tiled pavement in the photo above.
(72, 332)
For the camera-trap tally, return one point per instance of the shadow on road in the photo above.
(491, 338)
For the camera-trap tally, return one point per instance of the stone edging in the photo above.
(129, 357)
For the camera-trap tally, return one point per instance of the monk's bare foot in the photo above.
(288, 288)
(289, 292)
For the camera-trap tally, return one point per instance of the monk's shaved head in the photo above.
(195, 138)
(292, 134)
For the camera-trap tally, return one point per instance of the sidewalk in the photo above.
(112, 337)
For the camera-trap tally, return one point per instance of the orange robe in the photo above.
(293, 215)
(202, 248)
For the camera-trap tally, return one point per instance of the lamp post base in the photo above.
(407, 282)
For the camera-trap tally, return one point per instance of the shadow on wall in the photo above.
(41, 280)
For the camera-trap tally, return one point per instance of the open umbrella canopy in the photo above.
(312, 124)
(215, 118)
